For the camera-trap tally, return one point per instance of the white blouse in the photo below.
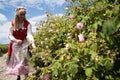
(29, 36)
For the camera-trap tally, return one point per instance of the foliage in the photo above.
(95, 56)
(3, 49)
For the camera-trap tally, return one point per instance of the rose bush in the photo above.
(95, 58)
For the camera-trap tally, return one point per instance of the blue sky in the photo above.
(35, 13)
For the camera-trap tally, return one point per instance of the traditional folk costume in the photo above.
(17, 63)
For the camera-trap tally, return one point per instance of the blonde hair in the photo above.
(19, 10)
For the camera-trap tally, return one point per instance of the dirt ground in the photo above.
(3, 75)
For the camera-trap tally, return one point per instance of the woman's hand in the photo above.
(19, 41)
(33, 45)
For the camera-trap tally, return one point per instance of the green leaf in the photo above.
(102, 35)
(57, 65)
(108, 64)
(88, 72)
(93, 54)
(72, 68)
(55, 72)
(95, 25)
(69, 78)
(109, 27)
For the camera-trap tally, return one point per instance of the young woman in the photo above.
(20, 35)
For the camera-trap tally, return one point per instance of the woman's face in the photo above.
(22, 14)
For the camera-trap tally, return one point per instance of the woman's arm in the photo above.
(10, 36)
(29, 37)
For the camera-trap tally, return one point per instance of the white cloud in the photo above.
(14, 1)
(2, 18)
(31, 3)
(55, 2)
(59, 15)
(2, 6)
(60, 2)
(34, 1)
(4, 29)
(36, 20)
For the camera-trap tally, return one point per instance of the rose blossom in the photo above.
(41, 42)
(71, 17)
(79, 25)
(68, 35)
(47, 77)
(67, 47)
(66, 8)
(81, 37)
(50, 30)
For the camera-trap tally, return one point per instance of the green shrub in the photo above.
(93, 56)
(3, 49)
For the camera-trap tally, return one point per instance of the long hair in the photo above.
(19, 10)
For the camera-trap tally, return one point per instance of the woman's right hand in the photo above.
(19, 41)
(33, 45)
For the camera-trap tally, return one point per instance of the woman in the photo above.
(21, 37)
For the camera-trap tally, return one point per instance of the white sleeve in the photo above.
(10, 36)
(30, 34)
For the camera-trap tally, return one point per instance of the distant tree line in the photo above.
(3, 48)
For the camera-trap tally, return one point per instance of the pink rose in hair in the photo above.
(81, 37)
(79, 26)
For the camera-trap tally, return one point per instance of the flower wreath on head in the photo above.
(21, 7)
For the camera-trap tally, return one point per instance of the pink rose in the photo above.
(81, 37)
(47, 77)
(67, 47)
(71, 17)
(79, 26)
